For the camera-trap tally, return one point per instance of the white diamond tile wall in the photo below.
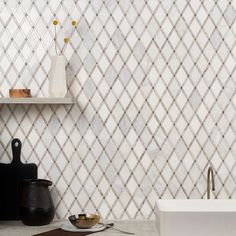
(154, 83)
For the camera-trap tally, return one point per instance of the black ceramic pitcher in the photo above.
(36, 205)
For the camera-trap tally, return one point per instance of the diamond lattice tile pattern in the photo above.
(155, 88)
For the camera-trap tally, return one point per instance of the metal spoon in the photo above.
(111, 226)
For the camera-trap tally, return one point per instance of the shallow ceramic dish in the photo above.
(84, 221)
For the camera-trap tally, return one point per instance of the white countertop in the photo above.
(139, 227)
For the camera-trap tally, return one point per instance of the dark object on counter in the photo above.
(59, 232)
(36, 205)
(11, 176)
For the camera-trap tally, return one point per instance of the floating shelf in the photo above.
(34, 100)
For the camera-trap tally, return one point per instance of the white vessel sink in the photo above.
(196, 217)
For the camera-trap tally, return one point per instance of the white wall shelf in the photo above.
(35, 100)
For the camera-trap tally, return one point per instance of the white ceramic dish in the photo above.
(71, 228)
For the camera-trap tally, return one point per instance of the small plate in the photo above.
(71, 228)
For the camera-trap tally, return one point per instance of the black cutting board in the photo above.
(11, 176)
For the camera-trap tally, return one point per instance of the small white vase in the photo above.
(57, 79)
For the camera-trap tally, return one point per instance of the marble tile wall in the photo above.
(154, 83)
